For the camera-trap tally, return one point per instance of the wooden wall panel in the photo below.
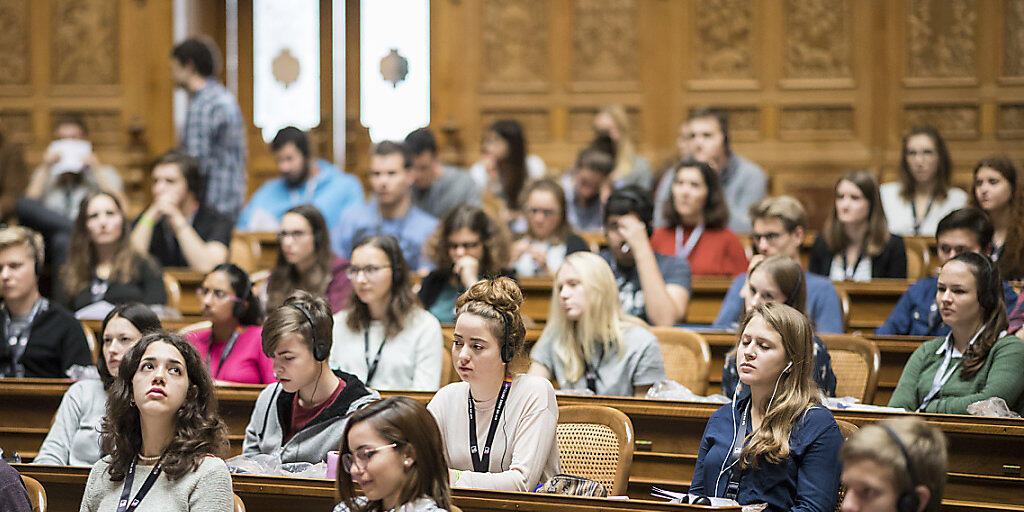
(813, 87)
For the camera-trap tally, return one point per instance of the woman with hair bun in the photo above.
(498, 426)
(162, 434)
(232, 346)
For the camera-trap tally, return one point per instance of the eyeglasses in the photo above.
(281, 235)
(547, 212)
(201, 293)
(362, 457)
(369, 270)
(453, 246)
(770, 238)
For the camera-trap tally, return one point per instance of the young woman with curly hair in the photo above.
(777, 444)
(467, 246)
(386, 338)
(512, 414)
(162, 433)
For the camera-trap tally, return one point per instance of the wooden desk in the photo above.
(66, 485)
(871, 303)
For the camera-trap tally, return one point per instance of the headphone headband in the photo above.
(320, 351)
(907, 500)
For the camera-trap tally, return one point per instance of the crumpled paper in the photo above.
(994, 407)
(672, 390)
(270, 465)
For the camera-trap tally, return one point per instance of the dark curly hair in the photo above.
(493, 235)
(402, 301)
(198, 428)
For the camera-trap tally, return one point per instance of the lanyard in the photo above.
(371, 368)
(590, 371)
(683, 251)
(732, 488)
(481, 461)
(19, 341)
(224, 353)
(123, 505)
(946, 371)
(848, 272)
(913, 211)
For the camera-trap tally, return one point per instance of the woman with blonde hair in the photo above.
(856, 244)
(630, 168)
(589, 341)
(777, 445)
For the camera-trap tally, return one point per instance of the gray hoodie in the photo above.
(323, 433)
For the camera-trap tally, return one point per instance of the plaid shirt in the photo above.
(214, 133)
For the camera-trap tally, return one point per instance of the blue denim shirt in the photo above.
(916, 313)
(807, 480)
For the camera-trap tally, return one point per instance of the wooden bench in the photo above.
(985, 455)
(66, 485)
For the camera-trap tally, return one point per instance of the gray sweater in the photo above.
(322, 434)
(74, 438)
(207, 489)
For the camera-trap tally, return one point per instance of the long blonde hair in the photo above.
(603, 323)
(625, 148)
(796, 391)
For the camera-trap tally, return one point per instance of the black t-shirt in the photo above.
(209, 224)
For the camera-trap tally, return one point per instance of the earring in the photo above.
(408, 462)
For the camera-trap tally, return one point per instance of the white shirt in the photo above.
(900, 214)
(410, 360)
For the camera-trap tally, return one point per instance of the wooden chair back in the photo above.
(596, 442)
(844, 304)
(36, 493)
(90, 338)
(245, 251)
(239, 506)
(687, 357)
(198, 326)
(173, 289)
(846, 429)
(855, 362)
(918, 257)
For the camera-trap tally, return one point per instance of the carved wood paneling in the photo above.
(1011, 121)
(604, 42)
(536, 124)
(1013, 38)
(581, 124)
(14, 41)
(817, 39)
(941, 38)
(16, 124)
(84, 42)
(514, 45)
(817, 123)
(724, 39)
(953, 121)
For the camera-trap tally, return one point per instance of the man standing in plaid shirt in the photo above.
(214, 132)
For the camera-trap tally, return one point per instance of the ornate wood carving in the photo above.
(604, 40)
(829, 122)
(1011, 121)
(941, 38)
(1013, 37)
(16, 124)
(515, 43)
(14, 40)
(817, 39)
(723, 39)
(535, 123)
(85, 42)
(953, 121)
(581, 124)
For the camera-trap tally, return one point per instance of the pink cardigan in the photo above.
(246, 364)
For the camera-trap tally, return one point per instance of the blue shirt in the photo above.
(362, 220)
(807, 480)
(330, 191)
(823, 306)
(916, 313)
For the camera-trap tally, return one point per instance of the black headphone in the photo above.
(908, 500)
(321, 350)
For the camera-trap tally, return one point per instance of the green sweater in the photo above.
(1000, 375)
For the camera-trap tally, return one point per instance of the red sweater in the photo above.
(719, 252)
